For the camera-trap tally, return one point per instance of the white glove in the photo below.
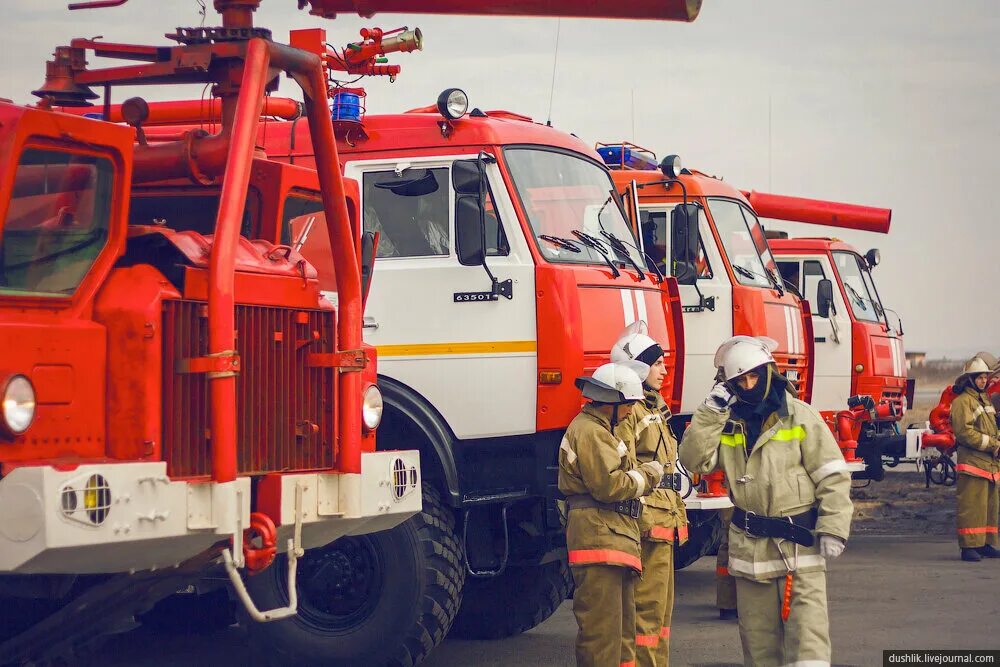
(719, 398)
(655, 467)
(830, 547)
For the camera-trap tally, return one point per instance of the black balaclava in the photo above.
(755, 405)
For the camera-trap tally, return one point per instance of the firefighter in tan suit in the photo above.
(974, 420)
(602, 483)
(663, 522)
(791, 491)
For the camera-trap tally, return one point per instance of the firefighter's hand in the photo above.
(719, 398)
(830, 547)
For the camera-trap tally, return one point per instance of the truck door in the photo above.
(707, 305)
(468, 354)
(832, 335)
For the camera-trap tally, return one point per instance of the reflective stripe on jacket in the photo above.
(974, 420)
(592, 461)
(664, 518)
(794, 465)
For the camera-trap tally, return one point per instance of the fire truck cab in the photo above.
(860, 360)
(505, 269)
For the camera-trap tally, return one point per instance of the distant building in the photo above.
(915, 359)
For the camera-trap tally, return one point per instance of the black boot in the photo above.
(971, 555)
(728, 614)
(989, 551)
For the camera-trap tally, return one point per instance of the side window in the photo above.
(789, 270)
(812, 273)
(57, 222)
(410, 211)
(655, 227)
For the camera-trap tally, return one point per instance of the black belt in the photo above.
(671, 482)
(630, 508)
(796, 528)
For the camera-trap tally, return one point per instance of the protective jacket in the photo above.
(663, 518)
(794, 465)
(594, 463)
(974, 420)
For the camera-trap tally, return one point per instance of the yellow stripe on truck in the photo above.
(439, 349)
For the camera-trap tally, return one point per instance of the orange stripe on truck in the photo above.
(605, 556)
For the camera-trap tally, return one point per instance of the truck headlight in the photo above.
(371, 408)
(18, 405)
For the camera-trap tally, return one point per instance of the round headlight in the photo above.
(671, 166)
(453, 103)
(18, 404)
(371, 408)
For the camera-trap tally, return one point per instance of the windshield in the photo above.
(742, 247)
(57, 222)
(852, 276)
(562, 194)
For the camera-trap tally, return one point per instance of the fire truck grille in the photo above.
(284, 409)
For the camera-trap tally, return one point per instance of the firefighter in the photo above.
(602, 483)
(791, 490)
(663, 522)
(973, 418)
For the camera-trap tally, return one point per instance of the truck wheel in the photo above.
(384, 598)
(513, 602)
(704, 537)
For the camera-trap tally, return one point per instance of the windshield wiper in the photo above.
(564, 243)
(774, 279)
(858, 299)
(591, 242)
(745, 272)
(619, 246)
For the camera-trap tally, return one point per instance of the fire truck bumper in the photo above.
(114, 517)
(385, 494)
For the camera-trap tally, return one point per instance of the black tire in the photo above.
(385, 598)
(704, 537)
(189, 614)
(513, 602)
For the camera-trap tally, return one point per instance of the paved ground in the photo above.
(885, 592)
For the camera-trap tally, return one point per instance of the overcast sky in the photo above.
(893, 103)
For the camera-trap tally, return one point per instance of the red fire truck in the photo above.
(860, 362)
(177, 399)
(703, 232)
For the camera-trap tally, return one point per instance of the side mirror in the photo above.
(466, 177)
(824, 297)
(684, 243)
(369, 243)
(469, 242)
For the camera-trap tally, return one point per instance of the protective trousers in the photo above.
(654, 604)
(978, 505)
(725, 583)
(804, 639)
(604, 606)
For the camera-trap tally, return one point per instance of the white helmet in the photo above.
(612, 383)
(740, 354)
(636, 346)
(979, 364)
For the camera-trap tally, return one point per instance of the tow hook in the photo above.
(258, 558)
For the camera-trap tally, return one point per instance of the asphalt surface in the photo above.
(902, 592)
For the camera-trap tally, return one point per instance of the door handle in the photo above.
(370, 323)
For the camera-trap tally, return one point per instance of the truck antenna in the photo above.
(555, 60)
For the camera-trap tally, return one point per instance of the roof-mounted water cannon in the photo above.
(662, 10)
(819, 212)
